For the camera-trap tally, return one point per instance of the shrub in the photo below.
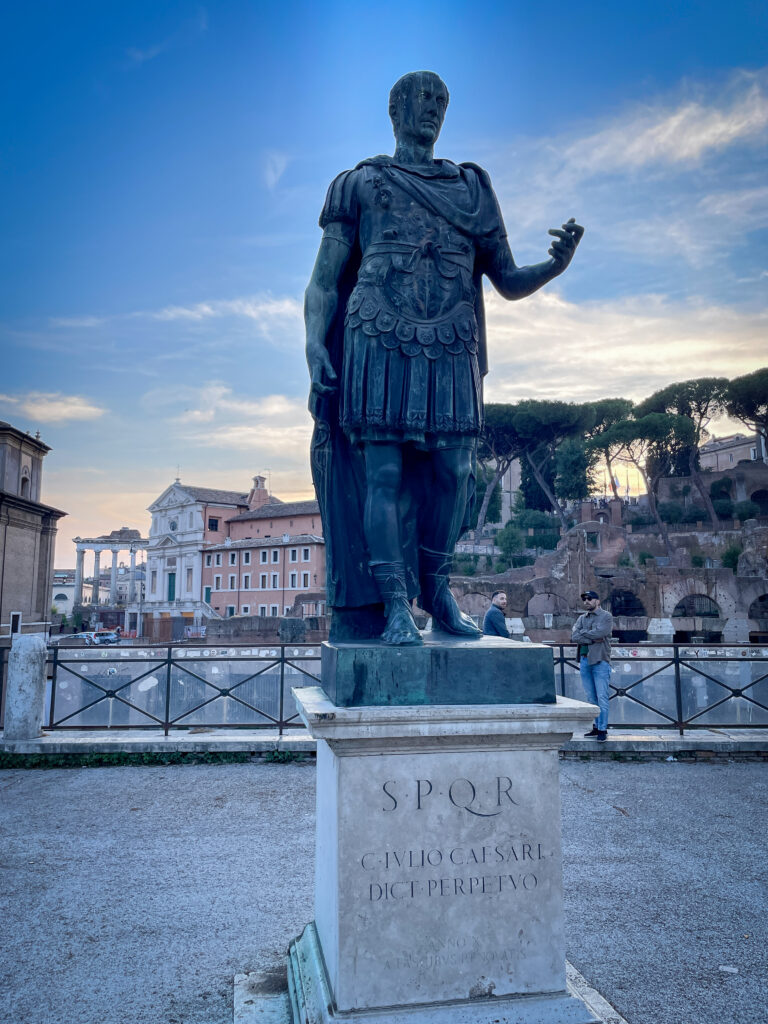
(518, 561)
(720, 488)
(640, 519)
(509, 540)
(746, 510)
(670, 512)
(697, 561)
(695, 514)
(723, 507)
(644, 556)
(502, 564)
(731, 556)
(624, 560)
(533, 518)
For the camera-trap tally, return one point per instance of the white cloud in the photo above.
(547, 347)
(270, 427)
(265, 310)
(186, 33)
(275, 164)
(53, 407)
(77, 321)
(682, 134)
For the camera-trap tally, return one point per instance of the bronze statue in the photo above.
(397, 354)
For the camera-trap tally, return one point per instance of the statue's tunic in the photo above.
(411, 370)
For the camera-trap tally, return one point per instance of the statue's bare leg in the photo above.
(440, 528)
(384, 474)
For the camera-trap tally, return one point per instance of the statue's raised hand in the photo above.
(320, 369)
(564, 245)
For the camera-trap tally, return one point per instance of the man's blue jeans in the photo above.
(596, 679)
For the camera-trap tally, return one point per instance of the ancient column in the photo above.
(96, 571)
(113, 579)
(132, 579)
(78, 596)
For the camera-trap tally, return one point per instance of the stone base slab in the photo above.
(312, 1002)
(446, 670)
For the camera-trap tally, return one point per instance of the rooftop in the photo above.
(280, 510)
(266, 542)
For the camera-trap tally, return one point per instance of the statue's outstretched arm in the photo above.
(321, 300)
(515, 282)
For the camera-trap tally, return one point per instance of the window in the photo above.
(208, 561)
(233, 558)
(153, 581)
(233, 582)
(294, 554)
(217, 582)
(287, 609)
(273, 610)
(275, 581)
(246, 582)
(305, 554)
(191, 519)
(213, 524)
(263, 581)
(246, 558)
(230, 610)
(730, 457)
(276, 555)
(305, 579)
(293, 583)
(15, 622)
(262, 610)
(753, 454)
(207, 595)
(264, 556)
(189, 579)
(245, 610)
(218, 558)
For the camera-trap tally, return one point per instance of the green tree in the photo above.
(509, 541)
(533, 496)
(574, 468)
(608, 412)
(648, 443)
(499, 446)
(541, 427)
(698, 400)
(747, 400)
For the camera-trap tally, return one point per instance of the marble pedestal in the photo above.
(438, 887)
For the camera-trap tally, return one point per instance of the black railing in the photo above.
(187, 687)
(678, 686)
(179, 687)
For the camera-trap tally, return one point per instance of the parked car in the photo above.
(101, 637)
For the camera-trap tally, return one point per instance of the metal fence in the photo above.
(660, 687)
(678, 686)
(179, 687)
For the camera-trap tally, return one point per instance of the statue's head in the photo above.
(417, 105)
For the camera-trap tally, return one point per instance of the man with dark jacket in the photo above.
(592, 633)
(494, 623)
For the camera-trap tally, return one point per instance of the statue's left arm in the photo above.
(515, 282)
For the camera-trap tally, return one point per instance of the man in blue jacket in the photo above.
(494, 623)
(592, 633)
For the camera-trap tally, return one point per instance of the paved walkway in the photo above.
(134, 895)
(625, 741)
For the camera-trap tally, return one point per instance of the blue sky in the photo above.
(163, 166)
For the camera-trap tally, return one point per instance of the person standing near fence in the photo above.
(592, 633)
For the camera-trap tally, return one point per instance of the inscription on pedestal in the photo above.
(449, 877)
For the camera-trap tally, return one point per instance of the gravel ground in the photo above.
(133, 895)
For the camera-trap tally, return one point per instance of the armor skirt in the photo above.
(432, 399)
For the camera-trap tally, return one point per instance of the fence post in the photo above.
(168, 665)
(282, 692)
(562, 670)
(25, 691)
(678, 691)
(54, 678)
